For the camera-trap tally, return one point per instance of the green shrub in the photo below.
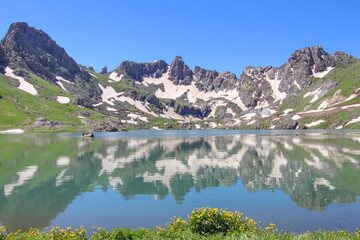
(212, 220)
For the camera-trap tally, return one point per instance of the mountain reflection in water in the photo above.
(41, 175)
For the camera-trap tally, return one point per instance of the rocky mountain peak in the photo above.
(138, 70)
(301, 67)
(33, 49)
(180, 73)
(207, 80)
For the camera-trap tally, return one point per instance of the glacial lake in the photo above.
(298, 180)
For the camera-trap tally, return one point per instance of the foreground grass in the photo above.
(205, 223)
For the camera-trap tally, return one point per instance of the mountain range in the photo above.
(43, 89)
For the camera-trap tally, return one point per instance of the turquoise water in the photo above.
(299, 180)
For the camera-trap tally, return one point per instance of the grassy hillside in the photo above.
(19, 109)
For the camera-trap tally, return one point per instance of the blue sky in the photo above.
(221, 35)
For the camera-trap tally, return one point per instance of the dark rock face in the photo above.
(204, 79)
(180, 73)
(34, 50)
(221, 114)
(138, 70)
(104, 71)
(153, 100)
(83, 101)
(208, 81)
(186, 110)
(225, 81)
(253, 87)
(4, 61)
(21, 73)
(205, 110)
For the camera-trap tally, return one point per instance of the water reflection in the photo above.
(41, 175)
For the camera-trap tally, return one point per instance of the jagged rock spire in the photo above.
(180, 73)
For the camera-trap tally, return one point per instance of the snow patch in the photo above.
(275, 83)
(135, 117)
(61, 85)
(355, 120)
(93, 75)
(321, 74)
(237, 121)
(349, 106)
(116, 77)
(24, 85)
(230, 111)
(111, 109)
(323, 105)
(213, 124)
(297, 85)
(108, 92)
(62, 79)
(252, 122)
(315, 123)
(295, 117)
(288, 110)
(62, 99)
(315, 93)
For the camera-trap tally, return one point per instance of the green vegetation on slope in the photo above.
(19, 109)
